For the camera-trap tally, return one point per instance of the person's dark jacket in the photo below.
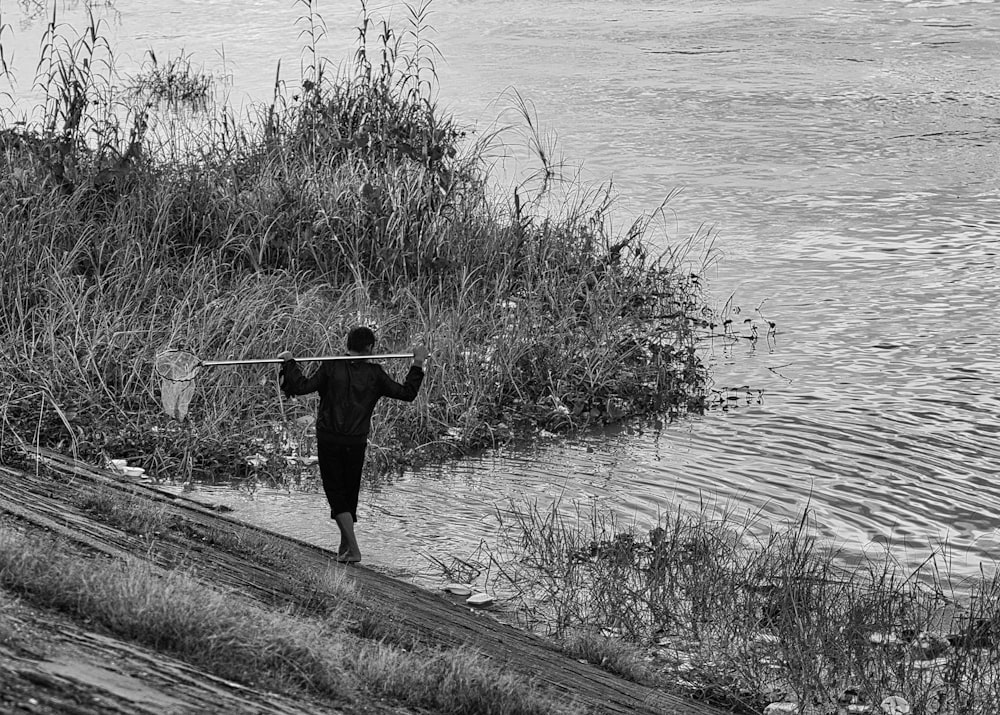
(348, 391)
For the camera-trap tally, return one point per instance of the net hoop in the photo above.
(177, 370)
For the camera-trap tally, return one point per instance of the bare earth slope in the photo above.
(54, 665)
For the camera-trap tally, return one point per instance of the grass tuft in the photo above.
(455, 681)
(612, 654)
(175, 82)
(124, 510)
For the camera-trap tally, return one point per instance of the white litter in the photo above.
(895, 705)
(479, 599)
(459, 589)
(884, 638)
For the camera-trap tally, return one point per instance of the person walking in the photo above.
(348, 392)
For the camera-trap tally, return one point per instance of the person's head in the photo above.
(361, 340)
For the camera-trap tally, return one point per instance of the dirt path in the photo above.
(39, 500)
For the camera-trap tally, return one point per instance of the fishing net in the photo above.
(176, 369)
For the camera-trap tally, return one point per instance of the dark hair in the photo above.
(360, 339)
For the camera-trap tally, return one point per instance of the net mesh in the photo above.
(176, 369)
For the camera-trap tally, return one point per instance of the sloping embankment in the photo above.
(43, 502)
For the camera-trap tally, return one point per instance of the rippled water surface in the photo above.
(847, 154)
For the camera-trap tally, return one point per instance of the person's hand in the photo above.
(420, 354)
(285, 355)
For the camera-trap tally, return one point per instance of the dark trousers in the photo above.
(340, 467)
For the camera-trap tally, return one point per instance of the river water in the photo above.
(846, 155)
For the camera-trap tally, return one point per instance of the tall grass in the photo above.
(354, 200)
(738, 611)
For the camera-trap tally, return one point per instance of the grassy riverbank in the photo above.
(113, 591)
(702, 609)
(337, 650)
(351, 200)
